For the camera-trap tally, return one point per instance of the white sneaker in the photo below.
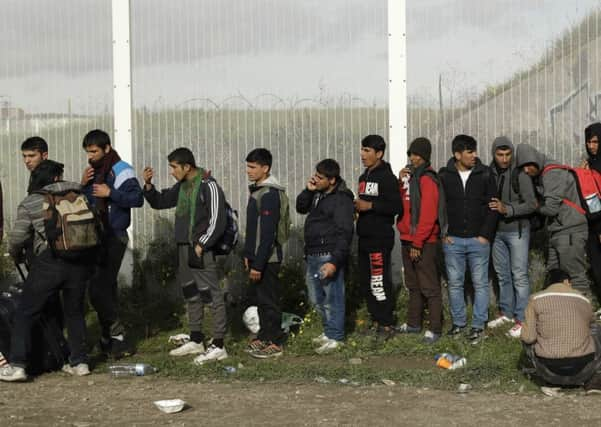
(320, 340)
(188, 348)
(213, 353)
(79, 370)
(516, 331)
(499, 321)
(329, 346)
(12, 373)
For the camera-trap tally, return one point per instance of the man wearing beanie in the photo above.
(378, 203)
(515, 202)
(592, 136)
(419, 230)
(468, 187)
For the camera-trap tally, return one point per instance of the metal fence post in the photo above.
(397, 107)
(122, 102)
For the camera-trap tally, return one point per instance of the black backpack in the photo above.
(229, 239)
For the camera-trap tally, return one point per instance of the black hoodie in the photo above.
(329, 225)
(375, 226)
(467, 210)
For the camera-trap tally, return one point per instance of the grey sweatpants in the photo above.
(567, 251)
(200, 287)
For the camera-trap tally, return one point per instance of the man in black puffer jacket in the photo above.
(328, 235)
(378, 202)
(592, 138)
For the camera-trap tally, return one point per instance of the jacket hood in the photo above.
(526, 154)
(383, 166)
(501, 141)
(342, 188)
(62, 186)
(271, 181)
(452, 167)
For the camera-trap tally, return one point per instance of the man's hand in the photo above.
(147, 175)
(88, 175)
(101, 190)
(328, 269)
(246, 264)
(584, 164)
(198, 250)
(447, 240)
(404, 172)
(254, 275)
(482, 240)
(498, 205)
(363, 205)
(415, 254)
(311, 184)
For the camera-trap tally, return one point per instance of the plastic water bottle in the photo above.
(131, 369)
(459, 363)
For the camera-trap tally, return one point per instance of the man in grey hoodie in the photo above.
(567, 226)
(515, 202)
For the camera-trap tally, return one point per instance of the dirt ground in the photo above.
(58, 400)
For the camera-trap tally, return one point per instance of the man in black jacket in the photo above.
(378, 203)
(469, 187)
(200, 221)
(328, 236)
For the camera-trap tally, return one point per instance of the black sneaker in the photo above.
(475, 335)
(120, 348)
(455, 331)
(593, 386)
(385, 333)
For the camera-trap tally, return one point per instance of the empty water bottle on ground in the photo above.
(131, 369)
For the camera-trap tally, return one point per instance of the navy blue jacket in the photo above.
(126, 193)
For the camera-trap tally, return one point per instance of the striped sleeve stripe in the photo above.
(214, 212)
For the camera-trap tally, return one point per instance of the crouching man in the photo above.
(328, 235)
(559, 340)
(49, 274)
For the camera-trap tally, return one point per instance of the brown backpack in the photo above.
(72, 227)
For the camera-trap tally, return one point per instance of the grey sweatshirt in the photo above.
(519, 206)
(556, 185)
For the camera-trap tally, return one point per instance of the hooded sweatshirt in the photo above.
(29, 224)
(375, 226)
(467, 209)
(519, 206)
(556, 185)
(594, 162)
(260, 245)
(329, 225)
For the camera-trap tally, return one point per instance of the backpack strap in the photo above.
(567, 202)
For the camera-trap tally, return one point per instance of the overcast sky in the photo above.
(59, 51)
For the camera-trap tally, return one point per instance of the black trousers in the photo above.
(103, 285)
(593, 246)
(268, 293)
(48, 275)
(375, 278)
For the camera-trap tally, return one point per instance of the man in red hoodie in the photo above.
(419, 233)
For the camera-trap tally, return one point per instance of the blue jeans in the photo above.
(328, 298)
(476, 254)
(510, 259)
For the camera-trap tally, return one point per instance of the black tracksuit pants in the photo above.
(104, 288)
(375, 277)
(268, 294)
(49, 275)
